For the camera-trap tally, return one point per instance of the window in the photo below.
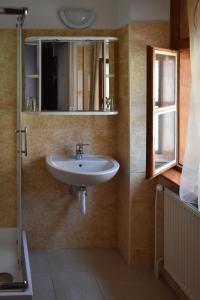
(168, 88)
(161, 110)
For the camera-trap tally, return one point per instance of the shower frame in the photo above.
(19, 289)
(20, 12)
(19, 132)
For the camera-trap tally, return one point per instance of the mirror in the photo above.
(74, 75)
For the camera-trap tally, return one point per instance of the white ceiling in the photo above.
(109, 13)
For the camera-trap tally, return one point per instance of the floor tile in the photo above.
(42, 287)
(124, 279)
(127, 295)
(76, 286)
(104, 259)
(162, 291)
(38, 260)
(93, 274)
(138, 294)
(67, 260)
(138, 283)
(85, 260)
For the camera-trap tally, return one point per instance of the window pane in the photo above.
(161, 110)
(164, 80)
(164, 142)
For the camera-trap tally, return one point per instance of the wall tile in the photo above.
(124, 144)
(8, 87)
(52, 216)
(142, 191)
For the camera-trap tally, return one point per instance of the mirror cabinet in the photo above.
(71, 74)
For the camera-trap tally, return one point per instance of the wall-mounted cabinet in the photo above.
(71, 75)
(179, 25)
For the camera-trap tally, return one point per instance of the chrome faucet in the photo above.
(79, 150)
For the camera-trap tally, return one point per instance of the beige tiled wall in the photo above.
(136, 199)
(124, 142)
(8, 69)
(52, 217)
(142, 191)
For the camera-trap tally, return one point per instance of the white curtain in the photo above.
(190, 179)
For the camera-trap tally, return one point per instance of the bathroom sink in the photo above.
(90, 170)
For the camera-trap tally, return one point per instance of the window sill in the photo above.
(171, 179)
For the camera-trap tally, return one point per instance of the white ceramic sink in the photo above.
(90, 170)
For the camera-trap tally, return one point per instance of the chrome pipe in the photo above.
(82, 199)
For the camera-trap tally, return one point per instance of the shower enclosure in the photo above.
(15, 278)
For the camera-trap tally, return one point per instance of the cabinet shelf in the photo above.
(73, 113)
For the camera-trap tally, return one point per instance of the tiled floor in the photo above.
(92, 275)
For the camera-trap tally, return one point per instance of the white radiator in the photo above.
(182, 244)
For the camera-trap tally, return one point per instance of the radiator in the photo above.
(182, 244)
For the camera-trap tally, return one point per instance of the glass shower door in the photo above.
(8, 195)
(12, 276)
(19, 132)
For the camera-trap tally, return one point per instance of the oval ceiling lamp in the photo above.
(77, 18)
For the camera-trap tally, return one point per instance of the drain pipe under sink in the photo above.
(82, 199)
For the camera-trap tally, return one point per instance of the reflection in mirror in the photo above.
(72, 75)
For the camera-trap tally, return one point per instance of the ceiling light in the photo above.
(77, 18)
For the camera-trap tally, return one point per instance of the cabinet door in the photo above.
(179, 25)
(161, 110)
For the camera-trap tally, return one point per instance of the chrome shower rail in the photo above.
(13, 11)
(21, 12)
